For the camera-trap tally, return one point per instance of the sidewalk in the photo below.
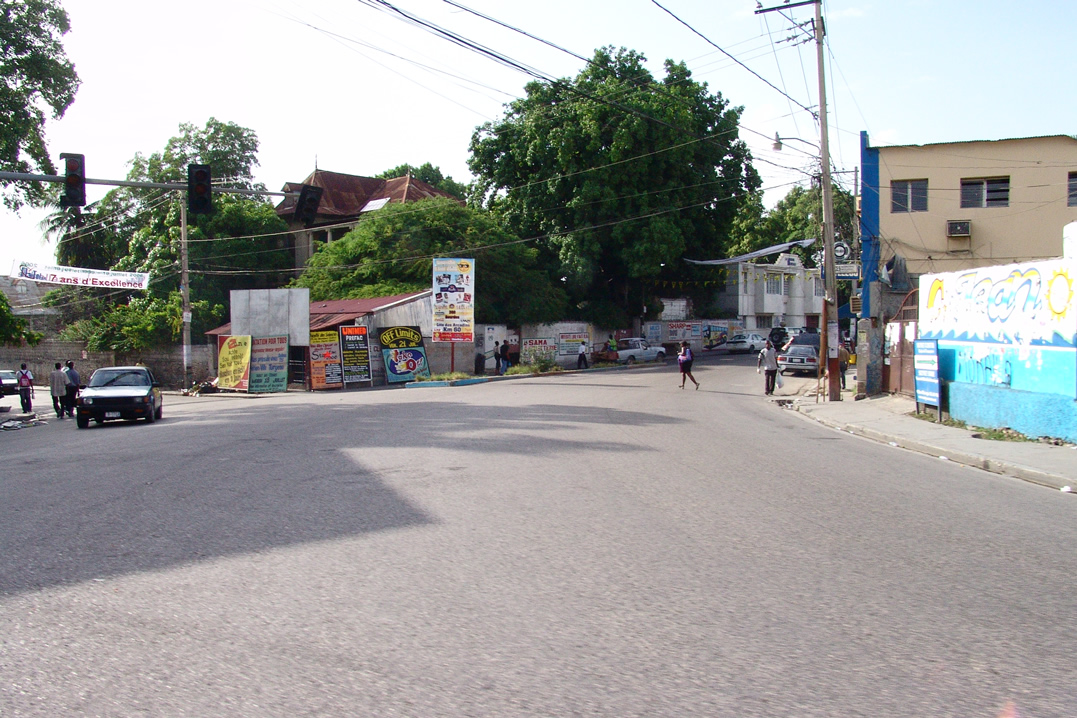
(888, 418)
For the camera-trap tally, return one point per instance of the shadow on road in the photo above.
(123, 498)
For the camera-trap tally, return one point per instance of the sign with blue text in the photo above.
(926, 366)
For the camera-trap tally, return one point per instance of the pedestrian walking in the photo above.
(684, 359)
(58, 381)
(843, 363)
(505, 356)
(72, 388)
(25, 379)
(581, 358)
(768, 361)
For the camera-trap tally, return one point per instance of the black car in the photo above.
(119, 392)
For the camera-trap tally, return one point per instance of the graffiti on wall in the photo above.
(1030, 304)
(1011, 326)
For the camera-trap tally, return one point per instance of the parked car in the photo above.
(799, 358)
(633, 349)
(119, 392)
(810, 339)
(778, 336)
(10, 384)
(746, 343)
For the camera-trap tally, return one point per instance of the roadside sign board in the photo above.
(926, 366)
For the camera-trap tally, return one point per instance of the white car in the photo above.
(634, 349)
(746, 343)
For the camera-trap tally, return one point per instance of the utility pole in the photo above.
(830, 339)
(185, 292)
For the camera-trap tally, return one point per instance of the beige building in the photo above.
(950, 206)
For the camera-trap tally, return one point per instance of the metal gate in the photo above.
(900, 333)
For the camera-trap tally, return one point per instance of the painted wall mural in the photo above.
(1009, 326)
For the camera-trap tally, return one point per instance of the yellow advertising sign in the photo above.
(233, 362)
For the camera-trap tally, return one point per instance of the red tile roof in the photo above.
(345, 195)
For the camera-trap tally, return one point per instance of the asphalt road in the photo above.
(591, 544)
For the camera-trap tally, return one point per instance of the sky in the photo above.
(346, 87)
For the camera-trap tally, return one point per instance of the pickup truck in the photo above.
(631, 350)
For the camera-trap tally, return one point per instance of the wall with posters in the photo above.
(1007, 338)
(559, 342)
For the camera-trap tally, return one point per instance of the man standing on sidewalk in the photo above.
(768, 360)
(72, 388)
(581, 358)
(58, 383)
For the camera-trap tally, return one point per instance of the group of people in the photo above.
(501, 357)
(64, 384)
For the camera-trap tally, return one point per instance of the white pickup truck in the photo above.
(633, 349)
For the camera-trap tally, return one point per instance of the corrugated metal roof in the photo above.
(345, 195)
(969, 142)
(334, 312)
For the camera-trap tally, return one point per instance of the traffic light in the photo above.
(74, 180)
(306, 207)
(199, 189)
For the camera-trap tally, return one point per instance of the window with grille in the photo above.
(1072, 201)
(787, 285)
(774, 284)
(820, 287)
(908, 196)
(987, 192)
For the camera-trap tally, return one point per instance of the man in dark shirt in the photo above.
(72, 388)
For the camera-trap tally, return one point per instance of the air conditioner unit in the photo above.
(958, 228)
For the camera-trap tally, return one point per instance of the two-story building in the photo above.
(959, 205)
(785, 293)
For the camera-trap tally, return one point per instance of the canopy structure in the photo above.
(754, 255)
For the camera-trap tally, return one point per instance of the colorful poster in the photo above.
(538, 348)
(681, 331)
(79, 277)
(926, 366)
(355, 354)
(325, 369)
(454, 300)
(269, 365)
(233, 362)
(403, 352)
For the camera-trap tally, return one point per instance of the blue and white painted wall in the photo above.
(1007, 344)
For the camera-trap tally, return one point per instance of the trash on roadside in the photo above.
(1066, 489)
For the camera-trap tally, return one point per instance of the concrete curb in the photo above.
(978, 461)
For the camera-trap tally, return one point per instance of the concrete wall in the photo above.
(1007, 343)
(272, 313)
(167, 364)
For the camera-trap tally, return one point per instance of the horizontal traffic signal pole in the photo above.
(22, 177)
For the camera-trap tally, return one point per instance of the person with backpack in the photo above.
(26, 388)
(684, 359)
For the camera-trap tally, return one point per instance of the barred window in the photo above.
(908, 196)
(774, 284)
(987, 192)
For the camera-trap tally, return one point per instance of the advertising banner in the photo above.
(403, 352)
(269, 365)
(681, 331)
(926, 365)
(568, 343)
(355, 354)
(538, 348)
(454, 300)
(233, 362)
(325, 369)
(79, 277)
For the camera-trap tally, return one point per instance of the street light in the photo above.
(777, 146)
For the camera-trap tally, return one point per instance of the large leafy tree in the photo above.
(619, 176)
(431, 175)
(35, 77)
(390, 252)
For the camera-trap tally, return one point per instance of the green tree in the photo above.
(621, 176)
(797, 216)
(390, 252)
(35, 76)
(431, 175)
(14, 331)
